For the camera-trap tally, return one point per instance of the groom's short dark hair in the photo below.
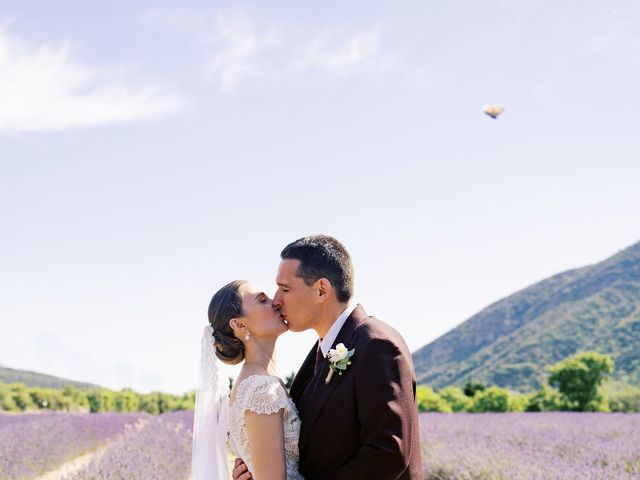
(322, 256)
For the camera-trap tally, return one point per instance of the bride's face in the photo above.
(258, 313)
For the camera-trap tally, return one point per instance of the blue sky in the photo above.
(153, 151)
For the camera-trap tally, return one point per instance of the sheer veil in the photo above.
(209, 458)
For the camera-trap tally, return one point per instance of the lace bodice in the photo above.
(264, 394)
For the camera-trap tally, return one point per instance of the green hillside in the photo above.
(509, 343)
(33, 379)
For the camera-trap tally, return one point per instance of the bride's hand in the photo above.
(240, 470)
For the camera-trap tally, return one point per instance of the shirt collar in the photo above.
(332, 334)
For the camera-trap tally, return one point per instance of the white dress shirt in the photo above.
(327, 342)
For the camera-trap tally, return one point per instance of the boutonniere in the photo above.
(339, 360)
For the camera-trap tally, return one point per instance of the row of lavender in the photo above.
(155, 447)
(31, 444)
(461, 446)
(559, 446)
(134, 446)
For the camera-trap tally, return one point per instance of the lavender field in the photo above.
(46, 446)
(553, 445)
(456, 446)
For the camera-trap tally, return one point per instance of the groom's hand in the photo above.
(240, 470)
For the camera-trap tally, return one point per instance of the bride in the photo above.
(257, 415)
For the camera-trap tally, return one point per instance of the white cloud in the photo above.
(42, 88)
(244, 52)
(238, 50)
(335, 54)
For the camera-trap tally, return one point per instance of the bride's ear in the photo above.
(237, 326)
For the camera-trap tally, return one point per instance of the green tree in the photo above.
(578, 378)
(21, 396)
(471, 388)
(6, 399)
(288, 380)
(456, 398)
(126, 400)
(429, 401)
(625, 400)
(188, 400)
(167, 403)
(17, 397)
(150, 403)
(101, 400)
(492, 399)
(77, 397)
(517, 402)
(546, 399)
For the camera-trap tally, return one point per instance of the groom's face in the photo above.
(294, 298)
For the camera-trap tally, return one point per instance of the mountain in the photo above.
(511, 341)
(33, 379)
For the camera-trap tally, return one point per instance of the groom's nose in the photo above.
(276, 303)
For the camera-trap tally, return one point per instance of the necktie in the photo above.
(319, 360)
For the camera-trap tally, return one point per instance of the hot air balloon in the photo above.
(493, 110)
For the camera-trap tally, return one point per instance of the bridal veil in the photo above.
(209, 457)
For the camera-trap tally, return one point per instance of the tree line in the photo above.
(574, 384)
(16, 397)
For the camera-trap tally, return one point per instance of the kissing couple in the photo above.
(351, 413)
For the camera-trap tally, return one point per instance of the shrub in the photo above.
(456, 398)
(471, 388)
(518, 402)
(492, 399)
(429, 401)
(126, 401)
(626, 400)
(544, 400)
(6, 400)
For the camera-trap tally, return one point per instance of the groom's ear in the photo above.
(324, 288)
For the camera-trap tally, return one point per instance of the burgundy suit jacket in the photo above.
(364, 423)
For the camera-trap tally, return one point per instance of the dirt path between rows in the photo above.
(73, 466)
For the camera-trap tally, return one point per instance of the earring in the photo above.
(247, 337)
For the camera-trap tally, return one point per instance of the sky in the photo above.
(153, 151)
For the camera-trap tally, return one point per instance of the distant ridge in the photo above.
(34, 379)
(508, 343)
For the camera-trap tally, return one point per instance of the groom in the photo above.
(362, 424)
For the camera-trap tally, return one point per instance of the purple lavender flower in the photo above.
(33, 443)
(154, 447)
(554, 445)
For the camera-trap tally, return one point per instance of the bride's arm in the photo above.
(266, 444)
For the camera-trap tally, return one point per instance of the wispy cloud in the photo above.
(339, 53)
(238, 49)
(43, 88)
(243, 52)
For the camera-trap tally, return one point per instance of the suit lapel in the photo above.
(303, 376)
(318, 392)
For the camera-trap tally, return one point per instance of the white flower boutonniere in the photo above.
(339, 359)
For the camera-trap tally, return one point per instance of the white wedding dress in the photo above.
(264, 394)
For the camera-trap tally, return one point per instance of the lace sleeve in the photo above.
(261, 394)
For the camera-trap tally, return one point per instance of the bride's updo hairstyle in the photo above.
(225, 305)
